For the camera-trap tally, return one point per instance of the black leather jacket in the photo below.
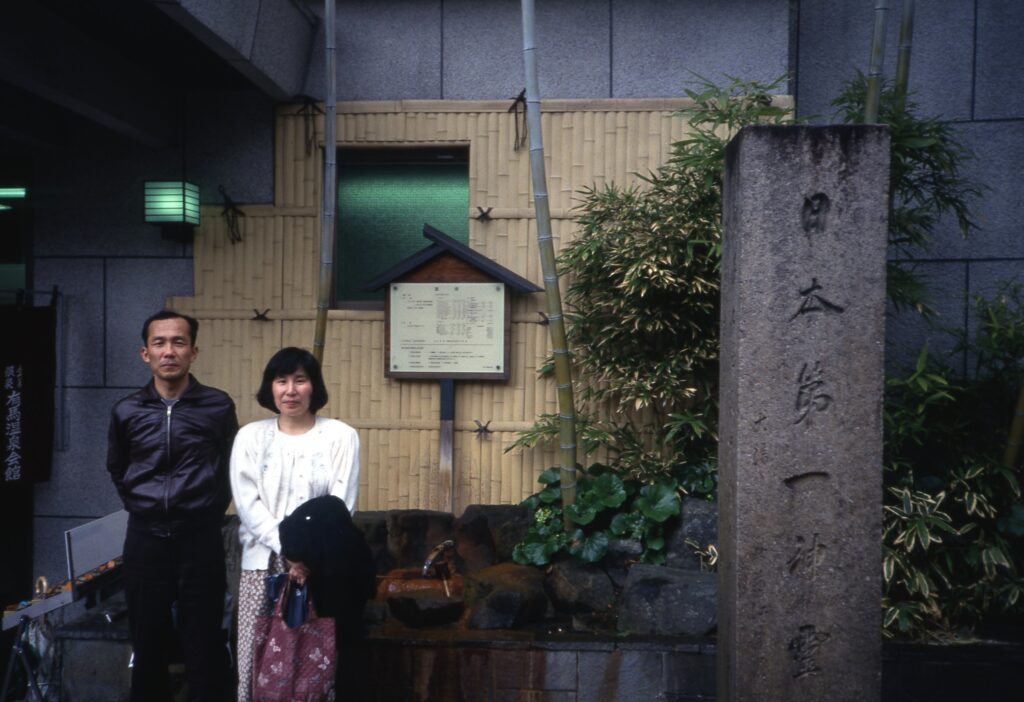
(170, 465)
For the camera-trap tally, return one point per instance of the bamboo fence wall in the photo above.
(587, 143)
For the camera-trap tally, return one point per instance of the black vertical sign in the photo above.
(27, 380)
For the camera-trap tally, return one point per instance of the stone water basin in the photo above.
(403, 580)
(419, 601)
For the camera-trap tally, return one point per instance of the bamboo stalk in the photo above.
(556, 325)
(875, 66)
(328, 195)
(903, 54)
(1013, 441)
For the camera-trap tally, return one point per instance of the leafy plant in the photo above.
(643, 301)
(954, 520)
(606, 507)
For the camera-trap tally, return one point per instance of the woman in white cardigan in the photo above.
(276, 465)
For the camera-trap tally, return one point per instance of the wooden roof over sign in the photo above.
(443, 244)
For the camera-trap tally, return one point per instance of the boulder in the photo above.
(486, 534)
(579, 587)
(505, 596)
(668, 601)
(413, 534)
(622, 554)
(374, 526)
(503, 609)
(698, 523)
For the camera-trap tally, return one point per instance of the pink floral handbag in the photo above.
(293, 664)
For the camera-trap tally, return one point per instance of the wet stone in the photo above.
(622, 554)
(506, 596)
(698, 523)
(413, 534)
(499, 610)
(486, 534)
(374, 526)
(423, 608)
(579, 587)
(668, 601)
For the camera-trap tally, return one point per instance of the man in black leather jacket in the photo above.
(169, 446)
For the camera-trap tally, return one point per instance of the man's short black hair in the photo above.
(193, 324)
(288, 360)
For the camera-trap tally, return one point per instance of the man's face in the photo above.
(169, 351)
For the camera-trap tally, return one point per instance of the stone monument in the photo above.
(800, 458)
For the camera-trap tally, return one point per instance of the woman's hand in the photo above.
(297, 571)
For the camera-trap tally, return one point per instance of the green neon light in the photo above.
(5, 207)
(13, 193)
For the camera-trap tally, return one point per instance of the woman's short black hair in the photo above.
(288, 360)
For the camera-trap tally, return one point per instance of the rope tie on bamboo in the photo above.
(231, 213)
(563, 386)
(555, 317)
(550, 279)
(518, 102)
(308, 112)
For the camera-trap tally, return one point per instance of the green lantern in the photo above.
(172, 202)
(11, 194)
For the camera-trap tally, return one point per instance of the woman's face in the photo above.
(292, 393)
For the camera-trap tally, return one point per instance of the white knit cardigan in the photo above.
(273, 473)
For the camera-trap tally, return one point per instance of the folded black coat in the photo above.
(320, 533)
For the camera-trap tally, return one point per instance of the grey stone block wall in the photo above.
(81, 281)
(657, 46)
(999, 152)
(466, 49)
(89, 201)
(80, 485)
(835, 42)
(907, 331)
(380, 60)
(966, 67)
(230, 135)
(999, 60)
(483, 51)
(135, 288)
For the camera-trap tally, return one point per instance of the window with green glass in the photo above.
(385, 196)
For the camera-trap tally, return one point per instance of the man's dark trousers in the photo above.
(186, 567)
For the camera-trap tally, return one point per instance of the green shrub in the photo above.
(954, 520)
(643, 309)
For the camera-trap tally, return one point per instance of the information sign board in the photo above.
(447, 330)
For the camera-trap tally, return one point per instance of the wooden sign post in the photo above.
(448, 316)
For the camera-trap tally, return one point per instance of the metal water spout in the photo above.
(439, 560)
